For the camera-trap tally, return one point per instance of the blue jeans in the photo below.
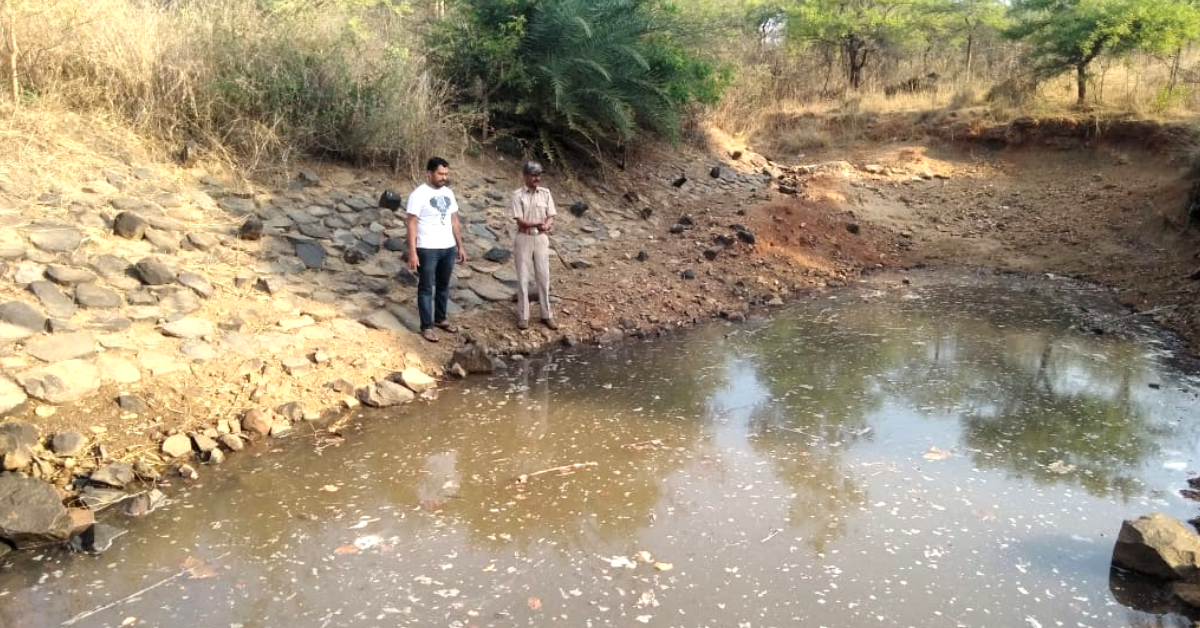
(433, 284)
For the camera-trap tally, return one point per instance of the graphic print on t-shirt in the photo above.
(442, 204)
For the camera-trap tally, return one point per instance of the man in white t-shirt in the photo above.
(434, 244)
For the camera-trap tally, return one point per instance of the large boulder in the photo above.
(384, 394)
(1159, 546)
(31, 513)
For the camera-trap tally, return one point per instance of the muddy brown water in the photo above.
(958, 452)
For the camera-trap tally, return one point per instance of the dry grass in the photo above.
(262, 87)
(780, 107)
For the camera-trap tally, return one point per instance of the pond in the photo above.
(956, 452)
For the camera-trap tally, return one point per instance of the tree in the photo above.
(857, 29)
(966, 20)
(584, 71)
(1070, 34)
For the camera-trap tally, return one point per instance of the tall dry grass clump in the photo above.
(266, 82)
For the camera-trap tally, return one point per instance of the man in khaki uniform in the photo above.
(533, 209)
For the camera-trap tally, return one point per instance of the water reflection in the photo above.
(954, 454)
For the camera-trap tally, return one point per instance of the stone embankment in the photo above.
(150, 323)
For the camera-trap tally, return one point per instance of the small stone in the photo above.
(579, 208)
(68, 443)
(203, 443)
(132, 403)
(232, 442)
(296, 365)
(251, 230)
(256, 421)
(89, 295)
(416, 380)
(153, 272)
(128, 224)
(177, 445)
(215, 456)
(642, 256)
(688, 274)
(196, 283)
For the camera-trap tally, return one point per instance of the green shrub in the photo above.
(583, 72)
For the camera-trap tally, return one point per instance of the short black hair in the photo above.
(435, 163)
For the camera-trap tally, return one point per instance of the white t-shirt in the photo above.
(432, 209)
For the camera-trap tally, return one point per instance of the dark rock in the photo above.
(96, 539)
(31, 513)
(395, 244)
(56, 303)
(19, 434)
(390, 200)
(688, 274)
(473, 359)
(200, 241)
(382, 319)
(239, 207)
(23, 315)
(715, 172)
(580, 264)
(110, 266)
(132, 404)
(67, 444)
(498, 254)
(711, 254)
(642, 256)
(68, 276)
(153, 272)
(291, 411)
(195, 283)
(311, 252)
(252, 229)
(685, 220)
(55, 238)
(354, 255)
(746, 236)
(723, 240)
(735, 155)
(579, 208)
(406, 277)
(646, 213)
(203, 443)
(116, 475)
(89, 295)
(788, 189)
(676, 228)
(145, 503)
(853, 227)
(130, 225)
(679, 182)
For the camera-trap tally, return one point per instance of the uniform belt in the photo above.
(529, 230)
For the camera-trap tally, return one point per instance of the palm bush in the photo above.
(582, 72)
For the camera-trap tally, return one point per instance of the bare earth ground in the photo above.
(1112, 215)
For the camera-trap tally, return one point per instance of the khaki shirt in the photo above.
(534, 207)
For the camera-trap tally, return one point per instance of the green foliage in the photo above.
(1070, 34)
(861, 30)
(585, 71)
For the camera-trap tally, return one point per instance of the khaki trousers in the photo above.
(532, 250)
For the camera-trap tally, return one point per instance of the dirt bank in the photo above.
(676, 238)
